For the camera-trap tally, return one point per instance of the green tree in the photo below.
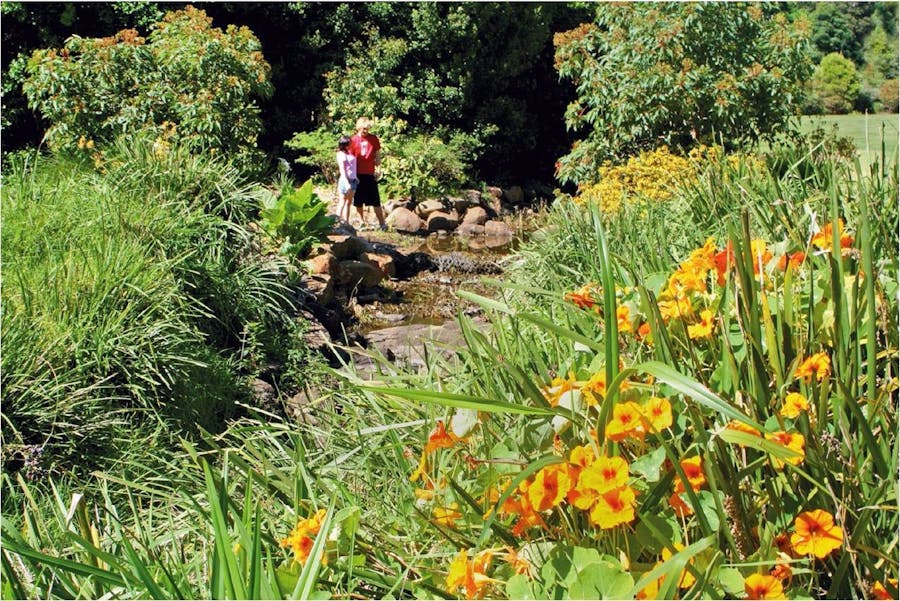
(881, 53)
(438, 69)
(836, 83)
(678, 74)
(841, 27)
(193, 83)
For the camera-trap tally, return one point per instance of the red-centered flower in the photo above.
(613, 508)
(793, 260)
(815, 533)
(440, 438)
(763, 586)
(625, 422)
(550, 487)
(817, 366)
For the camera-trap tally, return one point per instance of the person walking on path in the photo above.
(347, 179)
(366, 146)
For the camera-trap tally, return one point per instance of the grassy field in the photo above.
(864, 130)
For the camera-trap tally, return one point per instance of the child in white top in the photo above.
(347, 180)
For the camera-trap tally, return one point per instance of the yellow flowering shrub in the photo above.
(653, 176)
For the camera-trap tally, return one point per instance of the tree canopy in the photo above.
(679, 74)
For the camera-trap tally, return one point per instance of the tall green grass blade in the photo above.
(461, 401)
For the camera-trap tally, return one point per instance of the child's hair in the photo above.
(343, 142)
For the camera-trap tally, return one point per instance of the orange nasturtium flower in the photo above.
(793, 260)
(446, 516)
(693, 469)
(614, 507)
(550, 487)
(879, 591)
(681, 507)
(300, 540)
(623, 321)
(794, 442)
(645, 333)
(595, 389)
(704, 327)
(583, 298)
(470, 574)
(557, 388)
(724, 261)
(763, 586)
(677, 307)
(823, 238)
(794, 404)
(625, 422)
(818, 366)
(815, 533)
(658, 412)
(440, 438)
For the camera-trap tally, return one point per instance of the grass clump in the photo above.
(130, 293)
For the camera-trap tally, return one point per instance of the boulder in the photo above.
(515, 195)
(476, 216)
(323, 263)
(404, 220)
(459, 204)
(383, 263)
(493, 205)
(493, 192)
(424, 209)
(473, 197)
(399, 203)
(321, 286)
(441, 221)
(359, 274)
(470, 229)
(497, 229)
(347, 247)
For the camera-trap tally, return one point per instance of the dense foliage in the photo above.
(836, 84)
(194, 83)
(134, 298)
(648, 73)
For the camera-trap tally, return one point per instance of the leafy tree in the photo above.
(194, 83)
(841, 27)
(679, 74)
(881, 53)
(836, 83)
(889, 94)
(441, 68)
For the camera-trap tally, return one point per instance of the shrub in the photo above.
(647, 74)
(423, 165)
(888, 94)
(190, 81)
(836, 83)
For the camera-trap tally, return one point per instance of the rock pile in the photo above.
(472, 214)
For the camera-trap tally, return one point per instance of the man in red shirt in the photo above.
(366, 147)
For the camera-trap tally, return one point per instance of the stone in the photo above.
(428, 207)
(359, 274)
(470, 229)
(476, 216)
(459, 204)
(492, 205)
(398, 203)
(383, 263)
(441, 221)
(515, 195)
(493, 192)
(497, 229)
(347, 247)
(321, 286)
(473, 197)
(404, 220)
(323, 263)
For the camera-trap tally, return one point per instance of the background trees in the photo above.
(678, 74)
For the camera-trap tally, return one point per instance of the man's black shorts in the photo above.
(367, 192)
